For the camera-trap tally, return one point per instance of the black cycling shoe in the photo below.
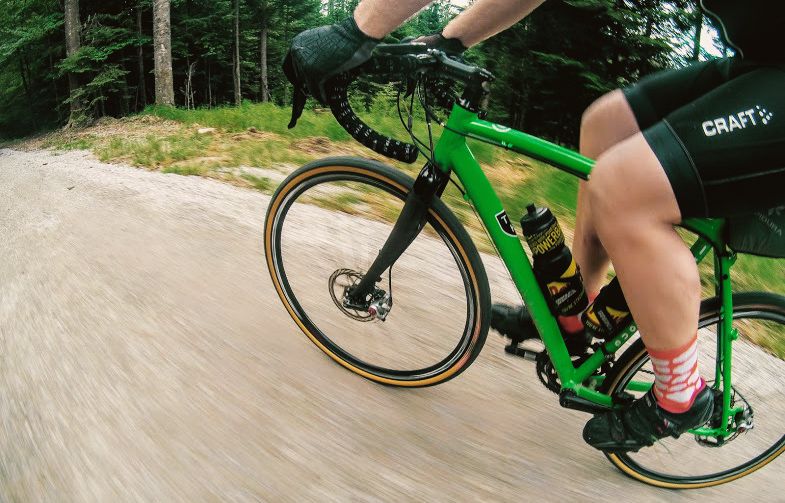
(513, 322)
(516, 323)
(644, 422)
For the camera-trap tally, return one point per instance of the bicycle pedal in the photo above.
(624, 399)
(516, 350)
(570, 400)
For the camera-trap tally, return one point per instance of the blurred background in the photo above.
(145, 353)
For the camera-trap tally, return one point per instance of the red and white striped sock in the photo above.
(676, 378)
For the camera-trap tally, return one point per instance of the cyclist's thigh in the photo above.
(657, 95)
(724, 152)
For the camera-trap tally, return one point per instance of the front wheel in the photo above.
(758, 388)
(427, 317)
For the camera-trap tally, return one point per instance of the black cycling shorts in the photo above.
(718, 129)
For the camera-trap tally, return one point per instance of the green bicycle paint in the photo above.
(451, 153)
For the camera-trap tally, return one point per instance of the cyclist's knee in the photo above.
(606, 196)
(629, 190)
(615, 198)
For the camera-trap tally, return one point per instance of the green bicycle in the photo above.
(381, 275)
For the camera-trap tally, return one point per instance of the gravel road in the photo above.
(146, 357)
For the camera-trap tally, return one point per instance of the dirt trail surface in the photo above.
(146, 357)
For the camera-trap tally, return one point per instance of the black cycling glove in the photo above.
(441, 91)
(320, 53)
(451, 46)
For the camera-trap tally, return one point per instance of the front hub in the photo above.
(375, 305)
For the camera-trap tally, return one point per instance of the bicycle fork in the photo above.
(430, 183)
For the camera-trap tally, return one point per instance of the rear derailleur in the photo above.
(741, 422)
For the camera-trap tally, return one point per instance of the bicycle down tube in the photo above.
(453, 154)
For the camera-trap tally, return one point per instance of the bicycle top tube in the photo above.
(468, 124)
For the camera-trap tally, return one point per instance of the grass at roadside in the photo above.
(251, 146)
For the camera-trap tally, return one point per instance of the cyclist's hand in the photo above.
(441, 91)
(451, 46)
(320, 53)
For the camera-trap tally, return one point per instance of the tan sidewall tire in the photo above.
(439, 213)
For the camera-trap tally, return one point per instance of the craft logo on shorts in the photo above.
(772, 219)
(752, 117)
(505, 224)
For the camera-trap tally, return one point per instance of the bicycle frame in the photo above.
(452, 154)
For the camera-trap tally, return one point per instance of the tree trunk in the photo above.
(72, 44)
(162, 42)
(54, 87)
(209, 86)
(238, 97)
(140, 57)
(696, 44)
(189, 86)
(24, 77)
(265, 90)
(285, 23)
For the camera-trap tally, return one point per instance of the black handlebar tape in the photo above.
(338, 100)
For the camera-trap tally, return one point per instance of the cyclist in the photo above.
(703, 141)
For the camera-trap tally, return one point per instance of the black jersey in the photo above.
(754, 28)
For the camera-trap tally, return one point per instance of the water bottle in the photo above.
(608, 313)
(554, 265)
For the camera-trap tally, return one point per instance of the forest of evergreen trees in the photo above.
(69, 62)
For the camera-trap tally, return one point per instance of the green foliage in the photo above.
(430, 20)
(205, 40)
(548, 67)
(35, 28)
(30, 41)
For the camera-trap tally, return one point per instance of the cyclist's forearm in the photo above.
(486, 18)
(377, 18)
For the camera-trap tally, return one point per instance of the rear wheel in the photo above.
(757, 382)
(427, 318)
